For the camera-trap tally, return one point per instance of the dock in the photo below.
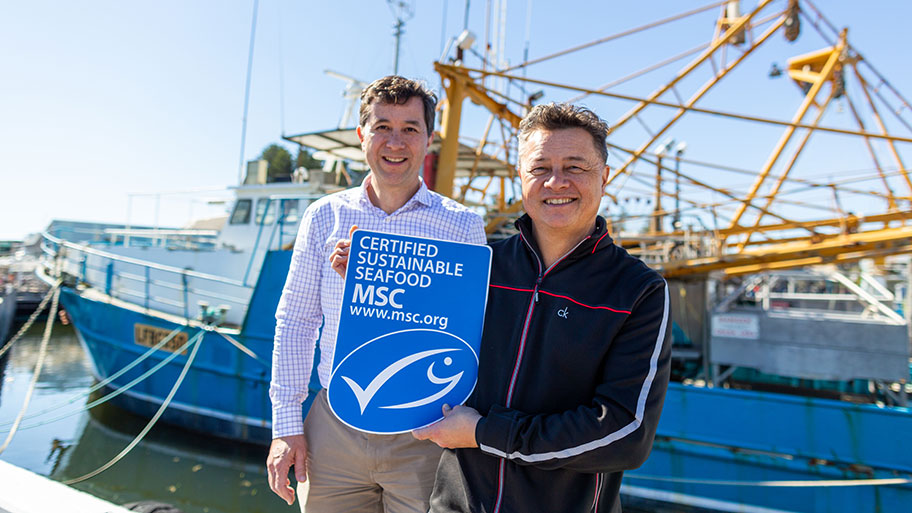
(23, 491)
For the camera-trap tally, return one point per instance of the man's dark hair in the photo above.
(555, 116)
(397, 90)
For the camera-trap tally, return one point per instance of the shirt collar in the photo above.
(422, 195)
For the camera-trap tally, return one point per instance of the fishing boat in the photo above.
(128, 289)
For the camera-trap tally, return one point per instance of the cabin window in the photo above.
(291, 212)
(241, 212)
(264, 215)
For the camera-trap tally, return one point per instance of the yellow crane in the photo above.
(763, 215)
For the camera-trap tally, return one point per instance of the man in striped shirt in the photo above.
(338, 468)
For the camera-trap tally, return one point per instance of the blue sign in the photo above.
(409, 331)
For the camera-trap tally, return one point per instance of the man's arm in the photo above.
(298, 319)
(614, 432)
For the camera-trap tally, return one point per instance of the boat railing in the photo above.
(162, 237)
(828, 291)
(150, 285)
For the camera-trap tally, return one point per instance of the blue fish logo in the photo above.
(399, 381)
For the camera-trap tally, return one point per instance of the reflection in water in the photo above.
(195, 473)
(189, 471)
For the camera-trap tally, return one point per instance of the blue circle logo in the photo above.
(400, 381)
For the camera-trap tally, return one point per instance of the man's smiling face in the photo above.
(395, 141)
(563, 176)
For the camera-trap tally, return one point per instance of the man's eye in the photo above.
(575, 169)
(539, 170)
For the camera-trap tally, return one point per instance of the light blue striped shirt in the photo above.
(313, 291)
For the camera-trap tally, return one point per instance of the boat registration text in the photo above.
(149, 336)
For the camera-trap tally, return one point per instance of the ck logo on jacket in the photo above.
(367, 388)
(563, 312)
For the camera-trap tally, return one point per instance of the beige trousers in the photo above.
(353, 472)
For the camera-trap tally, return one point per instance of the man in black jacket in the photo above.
(575, 354)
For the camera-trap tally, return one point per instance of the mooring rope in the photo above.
(785, 484)
(42, 352)
(107, 380)
(28, 324)
(197, 341)
(115, 392)
(241, 347)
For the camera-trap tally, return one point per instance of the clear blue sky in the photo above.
(100, 99)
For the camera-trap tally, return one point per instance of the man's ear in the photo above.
(430, 140)
(358, 131)
(605, 175)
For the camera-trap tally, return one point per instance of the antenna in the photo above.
(403, 11)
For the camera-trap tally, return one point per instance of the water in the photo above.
(195, 473)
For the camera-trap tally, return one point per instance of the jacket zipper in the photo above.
(522, 346)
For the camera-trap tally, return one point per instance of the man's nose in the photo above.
(395, 140)
(557, 179)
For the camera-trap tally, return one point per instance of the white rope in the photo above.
(104, 382)
(116, 391)
(28, 324)
(42, 352)
(785, 484)
(197, 341)
(241, 347)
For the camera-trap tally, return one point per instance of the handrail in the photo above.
(151, 265)
(159, 232)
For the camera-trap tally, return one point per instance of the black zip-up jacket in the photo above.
(573, 371)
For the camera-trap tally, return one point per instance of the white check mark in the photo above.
(364, 395)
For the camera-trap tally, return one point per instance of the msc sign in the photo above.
(409, 330)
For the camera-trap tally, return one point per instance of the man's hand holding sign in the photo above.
(405, 350)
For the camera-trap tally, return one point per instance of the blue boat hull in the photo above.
(715, 446)
(225, 392)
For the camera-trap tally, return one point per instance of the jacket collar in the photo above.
(597, 240)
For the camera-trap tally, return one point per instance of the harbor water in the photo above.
(194, 473)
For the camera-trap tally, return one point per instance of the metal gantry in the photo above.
(737, 215)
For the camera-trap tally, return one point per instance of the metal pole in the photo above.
(657, 212)
(676, 219)
(398, 33)
(247, 91)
